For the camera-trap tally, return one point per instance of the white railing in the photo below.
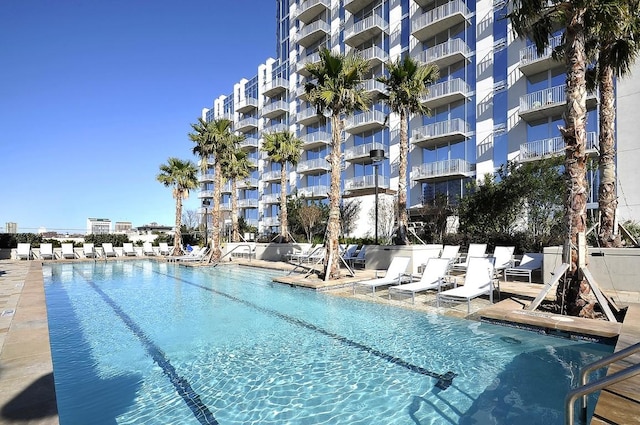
(247, 122)
(271, 221)
(274, 106)
(271, 175)
(455, 45)
(276, 128)
(247, 203)
(225, 206)
(314, 26)
(361, 150)
(247, 101)
(366, 182)
(307, 113)
(312, 58)
(206, 177)
(441, 12)
(365, 24)
(374, 52)
(441, 128)
(271, 198)
(374, 85)
(205, 194)
(275, 83)
(364, 118)
(249, 142)
(313, 164)
(552, 146)
(318, 136)
(441, 169)
(252, 182)
(307, 4)
(313, 191)
(542, 98)
(530, 53)
(445, 88)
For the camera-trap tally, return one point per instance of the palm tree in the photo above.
(182, 177)
(283, 147)
(407, 83)
(614, 29)
(336, 87)
(213, 140)
(537, 20)
(236, 167)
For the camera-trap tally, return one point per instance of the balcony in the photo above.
(533, 63)
(442, 170)
(225, 206)
(251, 183)
(226, 188)
(375, 55)
(302, 63)
(276, 128)
(313, 32)
(247, 105)
(249, 143)
(271, 221)
(246, 124)
(440, 133)
(271, 198)
(247, 203)
(275, 87)
(364, 183)
(361, 31)
(301, 92)
(446, 92)
(439, 19)
(354, 6)
(270, 176)
(307, 116)
(546, 103)
(360, 154)
(316, 140)
(313, 166)
(443, 55)
(364, 121)
(309, 9)
(314, 192)
(546, 148)
(205, 194)
(206, 178)
(275, 109)
(374, 87)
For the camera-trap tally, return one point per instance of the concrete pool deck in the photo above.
(26, 370)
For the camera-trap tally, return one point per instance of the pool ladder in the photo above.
(587, 388)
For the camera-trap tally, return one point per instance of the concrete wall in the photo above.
(614, 269)
(379, 257)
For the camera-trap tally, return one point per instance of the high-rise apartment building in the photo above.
(496, 100)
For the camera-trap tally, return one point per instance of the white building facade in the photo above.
(496, 100)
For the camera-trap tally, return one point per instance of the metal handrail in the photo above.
(586, 389)
(234, 248)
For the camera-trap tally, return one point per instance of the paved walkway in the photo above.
(26, 372)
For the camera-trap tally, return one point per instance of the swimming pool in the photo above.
(143, 342)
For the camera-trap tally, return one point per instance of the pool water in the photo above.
(144, 342)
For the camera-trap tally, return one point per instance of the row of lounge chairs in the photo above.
(46, 251)
(481, 274)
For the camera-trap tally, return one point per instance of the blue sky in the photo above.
(95, 95)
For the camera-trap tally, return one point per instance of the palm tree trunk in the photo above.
(607, 201)
(575, 138)
(402, 238)
(177, 236)
(332, 261)
(235, 229)
(284, 219)
(216, 252)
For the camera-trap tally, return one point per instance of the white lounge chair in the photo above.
(432, 278)
(164, 248)
(108, 251)
(349, 251)
(147, 248)
(46, 251)
(477, 281)
(23, 251)
(394, 273)
(88, 250)
(450, 252)
(128, 250)
(503, 257)
(197, 254)
(299, 254)
(359, 258)
(529, 263)
(68, 251)
(474, 250)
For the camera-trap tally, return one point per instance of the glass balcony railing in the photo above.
(318, 164)
(545, 148)
(314, 192)
(366, 182)
(271, 176)
(271, 198)
(247, 104)
(361, 151)
(440, 169)
(365, 121)
(442, 131)
(316, 139)
(275, 86)
(247, 203)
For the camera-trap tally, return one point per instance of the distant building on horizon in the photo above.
(98, 226)
(123, 227)
(154, 227)
(11, 227)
